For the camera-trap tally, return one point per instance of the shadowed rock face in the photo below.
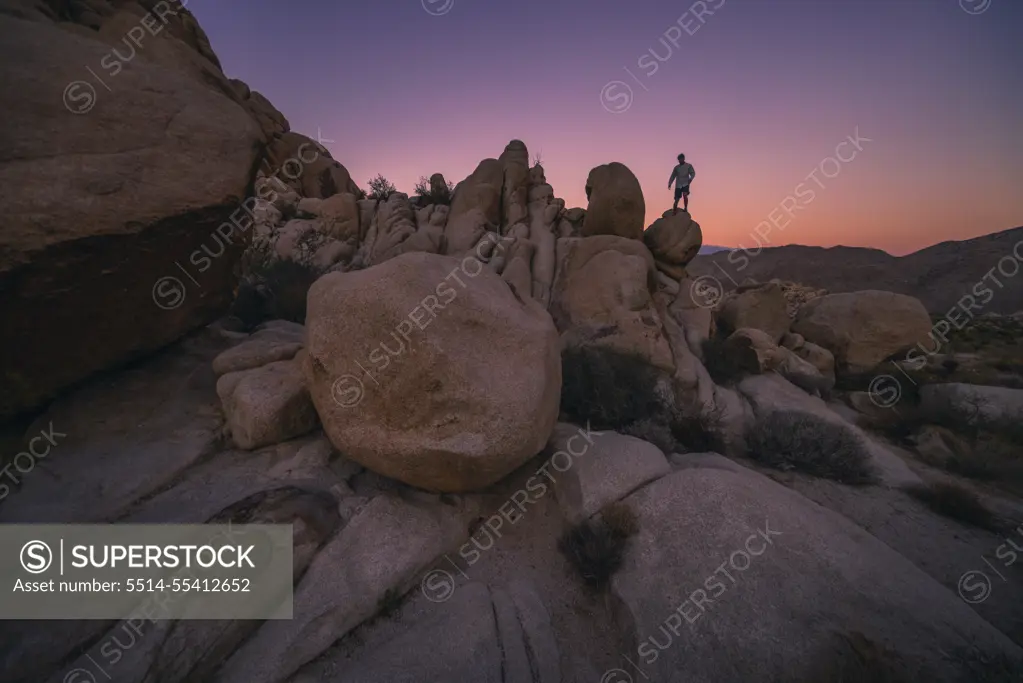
(106, 205)
(616, 205)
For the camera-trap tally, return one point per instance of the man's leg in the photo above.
(685, 206)
(678, 194)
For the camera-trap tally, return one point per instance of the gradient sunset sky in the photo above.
(757, 94)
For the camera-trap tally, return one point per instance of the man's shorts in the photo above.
(679, 191)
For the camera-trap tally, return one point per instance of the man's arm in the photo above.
(674, 176)
(692, 173)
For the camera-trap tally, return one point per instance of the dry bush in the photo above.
(381, 188)
(274, 291)
(620, 519)
(441, 196)
(956, 502)
(596, 547)
(607, 389)
(789, 440)
(722, 370)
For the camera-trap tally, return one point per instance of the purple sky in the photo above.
(757, 93)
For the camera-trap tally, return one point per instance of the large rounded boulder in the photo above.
(616, 202)
(430, 370)
(863, 328)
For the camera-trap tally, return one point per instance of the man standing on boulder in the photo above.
(681, 175)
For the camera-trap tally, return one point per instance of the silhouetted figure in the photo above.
(681, 175)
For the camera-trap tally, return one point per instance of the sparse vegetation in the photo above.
(608, 389)
(388, 603)
(955, 502)
(381, 188)
(275, 291)
(620, 518)
(431, 195)
(715, 359)
(596, 547)
(990, 457)
(789, 440)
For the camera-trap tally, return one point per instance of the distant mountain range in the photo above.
(940, 275)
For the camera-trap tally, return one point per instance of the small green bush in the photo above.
(790, 440)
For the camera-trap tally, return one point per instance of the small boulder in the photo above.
(254, 353)
(674, 240)
(863, 328)
(616, 205)
(751, 351)
(266, 405)
(309, 206)
(339, 217)
(762, 307)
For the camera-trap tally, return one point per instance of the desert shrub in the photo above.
(249, 305)
(608, 389)
(790, 440)
(274, 291)
(955, 502)
(381, 188)
(388, 603)
(715, 359)
(991, 457)
(441, 196)
(596, 547)
(620, 519)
